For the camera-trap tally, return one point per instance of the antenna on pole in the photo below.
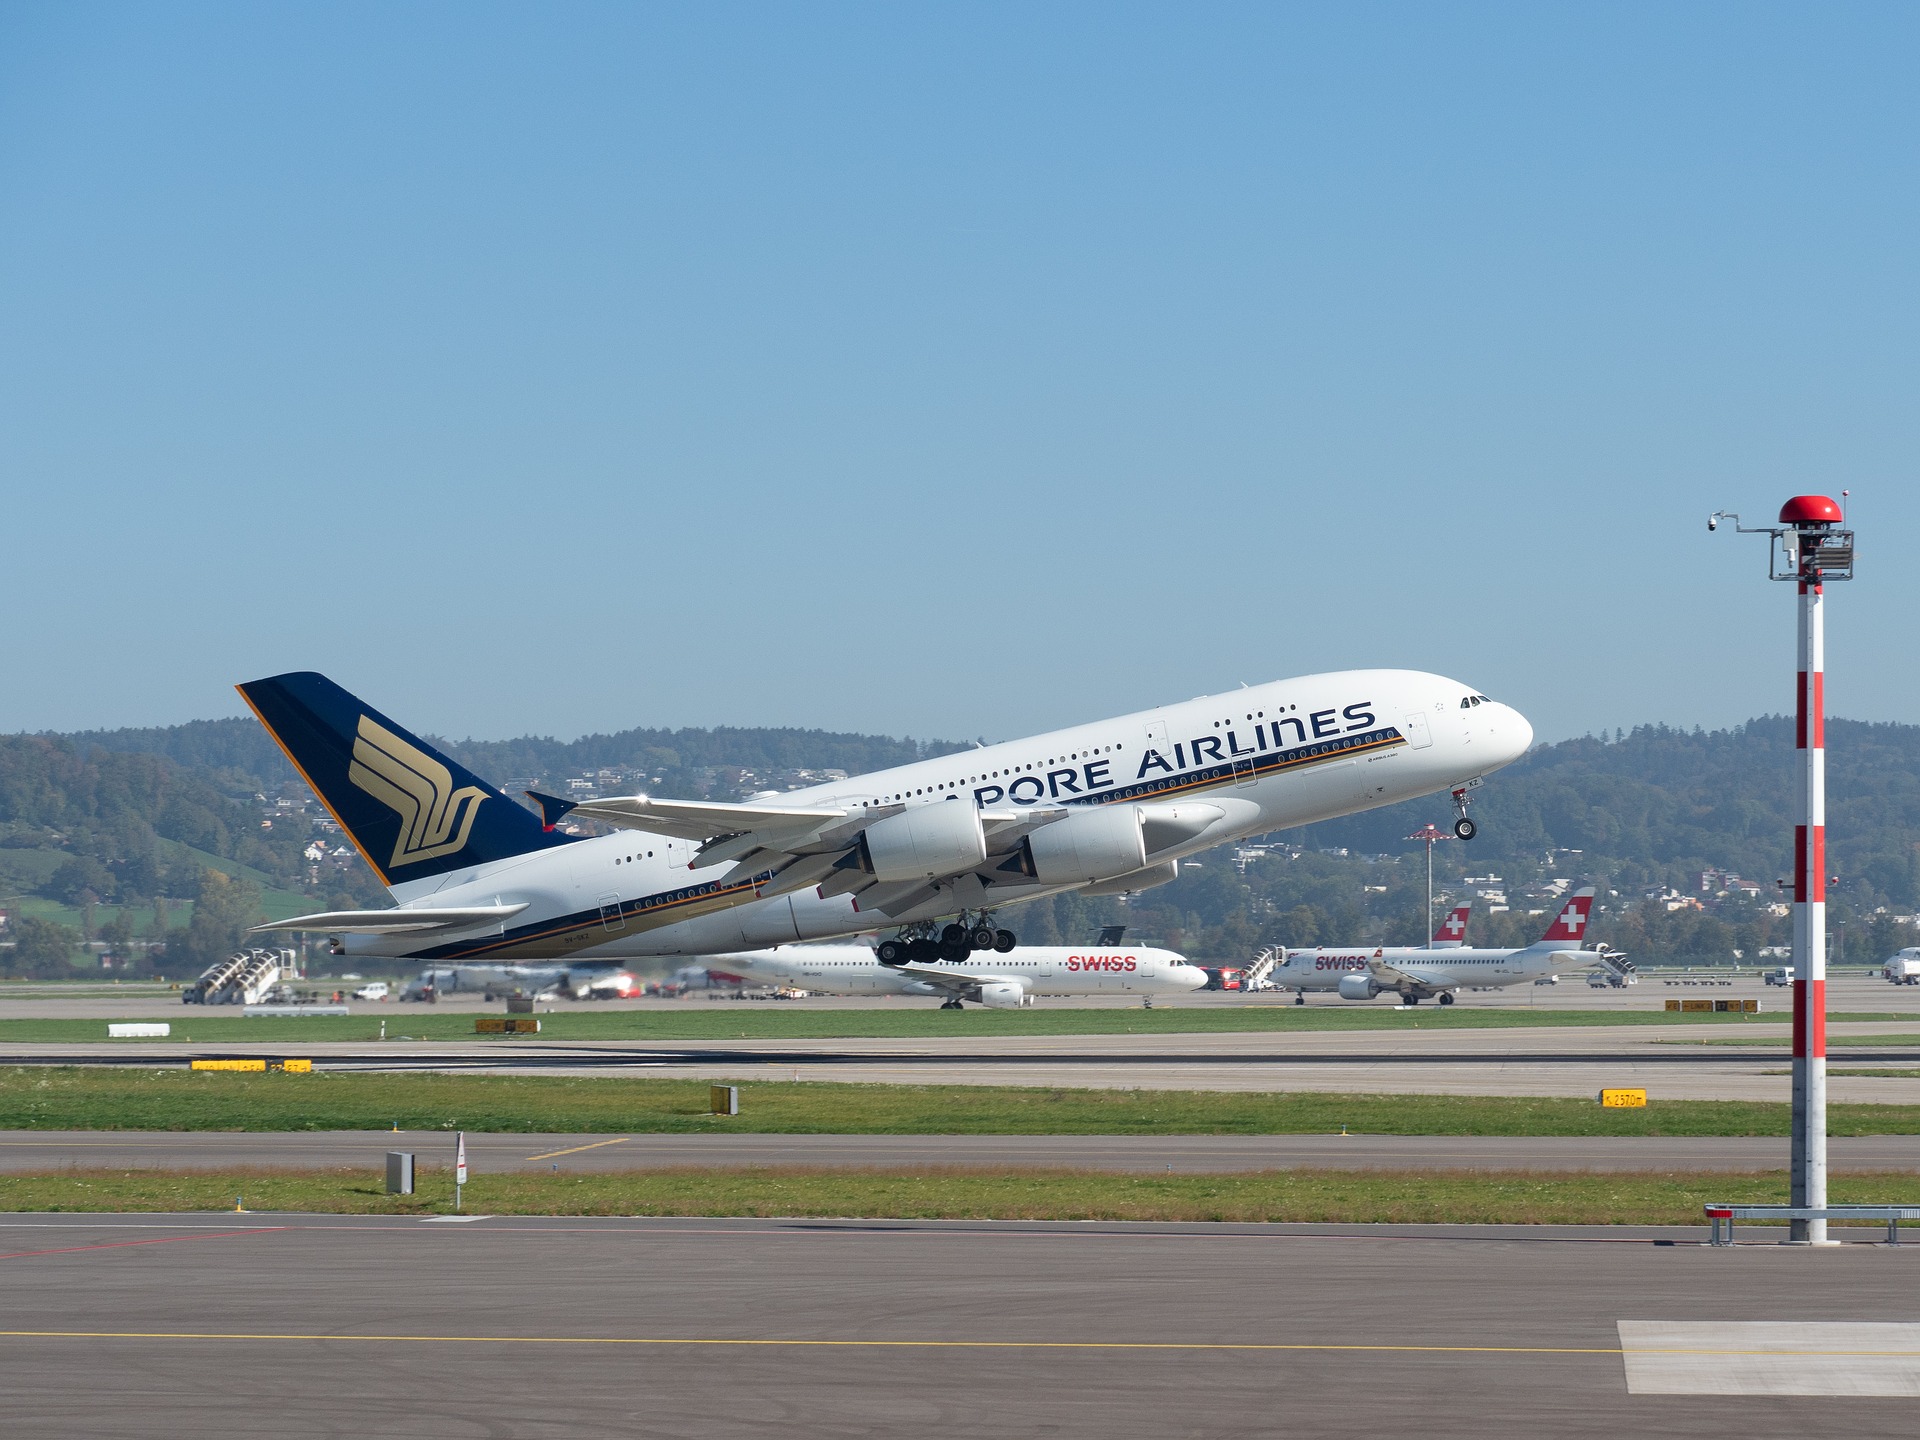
(1809, 547)
(1429, 836)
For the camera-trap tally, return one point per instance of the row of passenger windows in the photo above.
(996, 774)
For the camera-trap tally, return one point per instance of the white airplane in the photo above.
(1105, 808)
(1002, 982)
(1418, 973)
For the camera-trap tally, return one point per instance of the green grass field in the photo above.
(1346, 1197)
(730, 1020)
(42, 1098)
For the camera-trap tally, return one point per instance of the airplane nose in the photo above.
(1516, 734)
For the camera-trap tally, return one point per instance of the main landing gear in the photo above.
(1464, 828)
(923, 944)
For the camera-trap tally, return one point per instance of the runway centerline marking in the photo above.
(552, 1154)
(155, 1240)
(1129, 1345)
(856, 1344)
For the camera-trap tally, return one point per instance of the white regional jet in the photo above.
(1417, 973)
(1104, 808)
(1002, 982)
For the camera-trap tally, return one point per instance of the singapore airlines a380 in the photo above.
(936, 850)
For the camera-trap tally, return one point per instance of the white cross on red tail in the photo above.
(1571, 922)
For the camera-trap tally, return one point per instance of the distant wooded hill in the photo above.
(128, 814)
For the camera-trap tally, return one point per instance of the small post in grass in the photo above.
(723, 1099)
(459, 1167)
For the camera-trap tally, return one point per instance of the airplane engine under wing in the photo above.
(1359, 987)
(1004, 995)
(925, 842)
(1087, 845)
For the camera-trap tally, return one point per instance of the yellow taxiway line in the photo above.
(553, 1154)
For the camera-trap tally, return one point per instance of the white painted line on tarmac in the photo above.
(1771, 1357)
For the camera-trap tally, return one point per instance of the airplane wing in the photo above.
(394, 922)
(948, 979)
(1390, 976)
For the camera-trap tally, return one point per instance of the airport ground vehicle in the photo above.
(1781, 976)
(372, 990)
(1904, 968)
(1003, 982)
(1105, 808)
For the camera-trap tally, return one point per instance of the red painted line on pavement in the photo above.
(160, 1240)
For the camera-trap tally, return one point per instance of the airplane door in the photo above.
(679, 857)
(1418, 736)
(1157, 738)
(611, 920)
(1243, 772)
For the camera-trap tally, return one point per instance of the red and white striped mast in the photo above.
(1810, 549)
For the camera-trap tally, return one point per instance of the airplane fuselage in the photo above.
(1039, 969)
(1267, 757)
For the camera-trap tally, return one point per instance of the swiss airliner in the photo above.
(1105, 808)
(1429, 972)
(1003, 982)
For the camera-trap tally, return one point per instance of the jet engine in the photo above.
(924, 842)
(1004, 995)
(1088, 845)
(1359, 987)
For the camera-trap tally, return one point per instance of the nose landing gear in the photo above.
(1464, 828)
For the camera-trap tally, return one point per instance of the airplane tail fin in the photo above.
(1453, 930)
(1570, 923)
(412, 812)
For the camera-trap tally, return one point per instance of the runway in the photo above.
(215, 1327)
(1672, 1062)
(28, 1151)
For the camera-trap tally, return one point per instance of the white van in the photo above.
(372, 990)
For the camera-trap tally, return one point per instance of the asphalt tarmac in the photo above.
(30, 1151)
(1671, 1062)
(212, 1327)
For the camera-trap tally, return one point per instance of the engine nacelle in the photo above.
(1359, 987)
(1138, 880)
(924, 842)
(1004, 995)
(1088, 845)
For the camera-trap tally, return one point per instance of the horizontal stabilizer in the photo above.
(552, 808)
(396, 922)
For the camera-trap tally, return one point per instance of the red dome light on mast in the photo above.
(1809, 510)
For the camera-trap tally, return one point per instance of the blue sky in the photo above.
(953, 370)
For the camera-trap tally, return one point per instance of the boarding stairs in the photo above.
(1256, 974)
(245, 977)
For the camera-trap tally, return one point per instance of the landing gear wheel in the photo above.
(983, 937)
(954, 953)
(953, 934)
(923, 952)
(1446, 999)
(1465, 828)
(951, 1005)
(890, 952)
(1299, 999)
(1409, 999)
(1004, 941)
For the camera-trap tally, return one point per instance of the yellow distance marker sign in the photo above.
(1623, 1099)
(256, 1067)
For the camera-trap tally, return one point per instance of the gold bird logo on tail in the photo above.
(435, 818)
